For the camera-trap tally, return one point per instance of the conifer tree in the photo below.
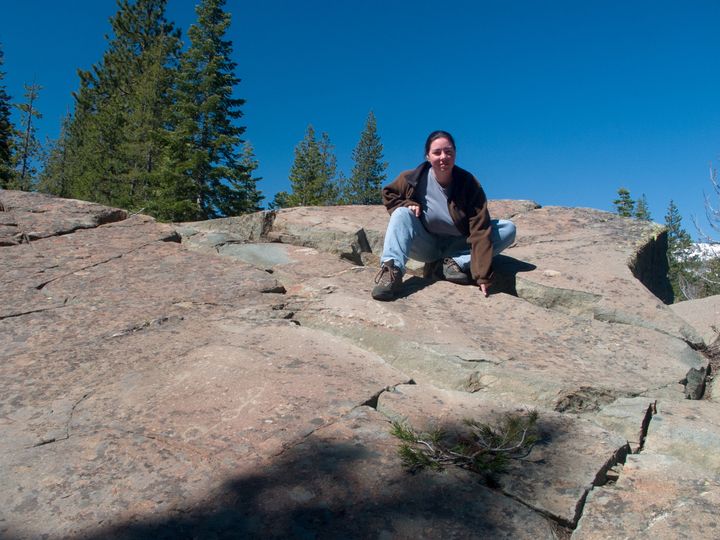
(368, 172)
(54, 178)
(27, 147)
(680, 261)
(642, 211)
(213, 161)
(624, 205)
(313, 173)
(116, 140)
(6, 132)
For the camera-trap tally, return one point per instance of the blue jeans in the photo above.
(406, 238)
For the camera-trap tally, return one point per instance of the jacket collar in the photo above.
(413, 177)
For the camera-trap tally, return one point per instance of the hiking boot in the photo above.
(433, 270)
(387, 282)
(453, 273)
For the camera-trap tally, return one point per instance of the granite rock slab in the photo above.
(571, 456)
(30, 216)
(687, 430)
(226, 385)
(453, 337)
(345, 480)
(656, 496)
(629, 417)
(703, 314)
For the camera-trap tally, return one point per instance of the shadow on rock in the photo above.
(506, 269)
(328, 487)
(412, 285)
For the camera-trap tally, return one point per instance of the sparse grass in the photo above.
(478, 447)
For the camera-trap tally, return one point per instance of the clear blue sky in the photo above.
(557, 101)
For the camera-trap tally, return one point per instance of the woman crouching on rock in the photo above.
(438, 212)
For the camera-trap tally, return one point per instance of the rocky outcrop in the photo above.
(234, 378)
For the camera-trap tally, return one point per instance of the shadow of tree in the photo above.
(347, 484)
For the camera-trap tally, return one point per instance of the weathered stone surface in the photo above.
(572, 455)
(225, 385)
(556, 262)
(628, 417)
(353, 232)
(345, 481)
(658, 497)
(430, 336)
(702, 314)
(595, 264)
(687, 430)
(29, 216)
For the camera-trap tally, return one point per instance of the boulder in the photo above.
(703, 315)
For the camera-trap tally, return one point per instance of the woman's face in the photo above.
(441, 155)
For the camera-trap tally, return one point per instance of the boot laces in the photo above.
(386, 269)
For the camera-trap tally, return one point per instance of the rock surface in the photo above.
(703, 314)
(234, 378)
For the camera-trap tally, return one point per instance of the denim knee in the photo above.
(511, 231)
(403, 215)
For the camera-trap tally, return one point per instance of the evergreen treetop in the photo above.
(642, 210)
(679, 240)
(368, 172)
(313, 173)
(6, 130)
(27, 148)
(624, 205)
(115, 143)
(212, 155)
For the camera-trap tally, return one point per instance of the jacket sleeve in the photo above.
(397, 193)
(479, 237)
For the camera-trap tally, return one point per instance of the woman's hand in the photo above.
(484, 289)
(415, 209)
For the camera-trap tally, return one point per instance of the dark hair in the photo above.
(439, 134)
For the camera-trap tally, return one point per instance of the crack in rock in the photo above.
(160, 321)
(574, 302)
(645, 425)
(41, 286)
(371, 402)
(67, 425)
(13, 315)
(613, 468)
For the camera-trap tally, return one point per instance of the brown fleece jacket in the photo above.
(468, 208)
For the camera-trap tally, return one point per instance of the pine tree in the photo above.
(212, 159)
(116, 141)
(281, 200)
(27, 147)
(368, 172)
(642, 211)
(680, 261)
(313, 173)
(6, 132)
(54, 176)
(624, 205)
